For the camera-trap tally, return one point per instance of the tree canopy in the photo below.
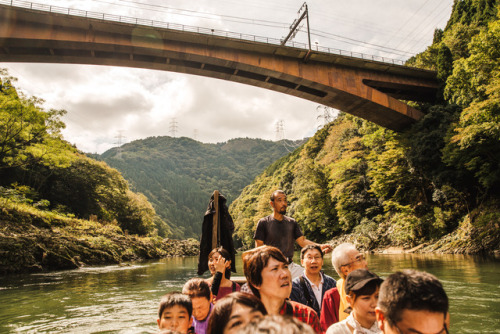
(38, 167)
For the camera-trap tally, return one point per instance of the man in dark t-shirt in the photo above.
(282, 232)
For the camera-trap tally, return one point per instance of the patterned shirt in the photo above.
(245, 288)
(303, 313)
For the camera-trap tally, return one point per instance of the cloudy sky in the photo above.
(108, 105)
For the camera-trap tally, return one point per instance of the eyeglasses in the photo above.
(442, 331)
(359, 258)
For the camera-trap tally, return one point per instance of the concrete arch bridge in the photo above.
(365, 86)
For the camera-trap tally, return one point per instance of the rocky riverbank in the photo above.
(469, 238)
(34, 241)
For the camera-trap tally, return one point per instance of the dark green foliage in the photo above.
(38, 168)
(470, 12)
(433, 181)
(438, 36)
(444, 67)
(474, 142)
(426, 140)
(178, 175)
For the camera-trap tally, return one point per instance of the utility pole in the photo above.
(326, 113)
(195, 134)
(280, 130)
(119, 142)
(173, 127)
(294, 28)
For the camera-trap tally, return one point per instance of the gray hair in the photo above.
(277, 324)
(339, 256)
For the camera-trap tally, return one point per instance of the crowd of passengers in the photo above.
(407, 301)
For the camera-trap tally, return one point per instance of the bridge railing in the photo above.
(187, 28)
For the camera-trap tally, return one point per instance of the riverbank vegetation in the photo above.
(58, 207)
(437, 184)
(33, 240)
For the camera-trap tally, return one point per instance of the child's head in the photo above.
(199, 292)
(362, 288)
(175, 312)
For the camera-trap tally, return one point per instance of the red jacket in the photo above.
(330, 309)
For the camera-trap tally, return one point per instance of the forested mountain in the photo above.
(178, 175)
(439, 180)
(60, 209)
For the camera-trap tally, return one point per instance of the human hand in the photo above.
(326, 248)
(220, 264)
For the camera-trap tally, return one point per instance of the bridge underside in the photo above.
(363, 88)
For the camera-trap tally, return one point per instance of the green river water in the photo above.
(124, 299)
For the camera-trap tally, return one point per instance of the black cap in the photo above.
(357, 279)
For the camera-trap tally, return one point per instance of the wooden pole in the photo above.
(215, 225)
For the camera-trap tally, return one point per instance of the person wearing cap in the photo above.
(282, 232)
(362, 290)
(412, 302)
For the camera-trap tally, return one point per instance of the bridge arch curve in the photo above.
(365, 88)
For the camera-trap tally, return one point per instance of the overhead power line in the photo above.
(417, 27)
(406, 22)
(428, 33)
(259, 22)
(207, 15)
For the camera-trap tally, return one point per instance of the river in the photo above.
(124, 299)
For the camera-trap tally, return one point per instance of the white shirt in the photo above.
(342, 328)
(317, 289)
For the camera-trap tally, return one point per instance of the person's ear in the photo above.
(350, 300)
(158, 322)
(345, 270)
(379, 315)
(447, 320)
(190, 321)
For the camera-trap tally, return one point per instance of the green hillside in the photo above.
(60, 209)
(436, 184)
(178, 175)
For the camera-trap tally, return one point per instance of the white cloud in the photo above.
(101, 101)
